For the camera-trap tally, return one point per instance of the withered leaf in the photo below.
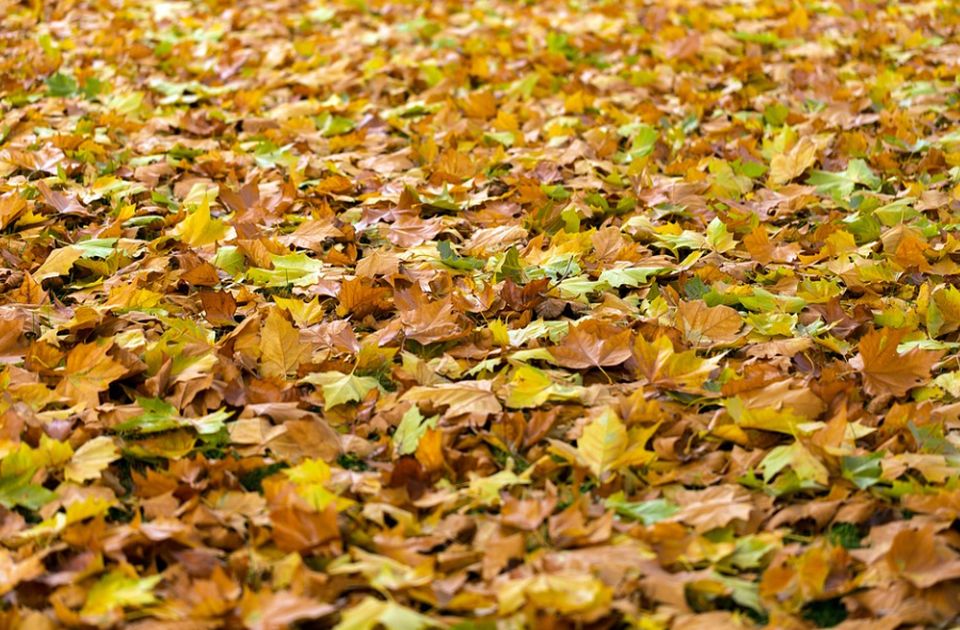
(593, 343)
(885, 370)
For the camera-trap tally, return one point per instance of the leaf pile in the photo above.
(432, 314)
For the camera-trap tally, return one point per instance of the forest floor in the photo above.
(492, 314)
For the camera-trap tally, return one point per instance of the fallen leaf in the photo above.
(593, 343)
(887, 371)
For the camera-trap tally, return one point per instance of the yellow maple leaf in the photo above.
(199, 228)
(58, 263)
(280, 347)
(787, 166)
(91, 459)
(603, 441)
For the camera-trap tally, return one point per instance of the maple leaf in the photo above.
(91, 459)
(373, 613)
(58, 263)
(339, 388)
(660, 365)
(465, 397)
(114, 592)
(412, 427)
(787, 166)
(11, 206)
(602, 442)
(885, 370)
(430, 322)
(593, 343)
(89, 371)
(270, 610)
(703, 325)
(280, 347)
(200, 229)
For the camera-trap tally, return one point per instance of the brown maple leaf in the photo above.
(358, 297)
(430, 322)
(704, 325)
(886, 371)
(593, 343)
(89, 371)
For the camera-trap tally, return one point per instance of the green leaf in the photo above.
(862, 471)
(455, 261)
(500, 137)
(512, 268)
(159, 415)
(97, 247)
(718, 237)
(297, 269)
(339, 388)
(411, 428)
(330, 125)
(648, 512)
(842, 183)
(116, 591)
(60, 84)
(18, 490)
(799, 459)
(92, 87)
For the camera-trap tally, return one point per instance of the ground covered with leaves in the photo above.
(501, 314)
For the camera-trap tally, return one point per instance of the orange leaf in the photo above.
(89, 371)
(703, 325)
(884, 370)
(593, 343)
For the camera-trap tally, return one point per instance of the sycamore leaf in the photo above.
(886, 371)
(660, 365)
(374, 613)
(593, 343)
(718, 236)
(787, 166)
(943, 311)
(303, 313)
(411, 428)
(58, 263)
(280, 348)
(529, 387)
(602, 442)
(272, 610)
(764, 418)
(431, 322)
(159, 415)
(114, 592)
(799, 459)
(11, 207)
(89, 371)
(311, 477)
(91, 459)
(486, 490)
(704, 325)
(565, 592)
(474, 397)
(199, 228)
(339, 388)
(17, 490)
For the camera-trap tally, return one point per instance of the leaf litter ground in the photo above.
(493, 314)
